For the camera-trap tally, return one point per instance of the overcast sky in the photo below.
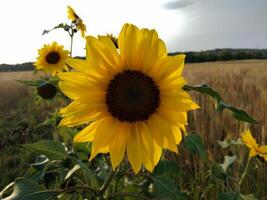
(183, 24)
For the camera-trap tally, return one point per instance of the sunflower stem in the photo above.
(107, 181)
(71, 43)
(71, 38)
(243, 174)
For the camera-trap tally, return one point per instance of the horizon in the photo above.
(175, 52)
(184, 25)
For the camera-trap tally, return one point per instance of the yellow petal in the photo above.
(146, 143)
(87, 134)
(103, 136)
(157, 153)
(160, 128)
(77, 113)
(150, 50)
(76, 91)
(102, 56)
(118, 145)
(86, 67)
(177, 134)
(174, 116)
(171, 83)
(263, 152)
(128, 43)
(134, 150)
(177, 102)
(249, 141)
(168, 66)
(110, 45)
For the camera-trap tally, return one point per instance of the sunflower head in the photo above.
(71, 14)
(131, 98)
(47, 91)
(76, 20)
(52, 58)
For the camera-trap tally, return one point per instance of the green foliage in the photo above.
(165, 189)
(228, 160)
(167, 168)
(25, 189)
(50, 148)
(63, 26)
(220, 105)
(194, 144)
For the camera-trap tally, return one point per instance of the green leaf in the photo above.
(33, 83)
(40, 195)
(37, 170)
(72, 171)
(220, 105)
(217, 173)
(167, 168)
(194, 144)
(228, 160)
(228, 196)
(25, 189)
(52, 149)
(87, 171)
(6, 189)
(165, 189)
(61, 25)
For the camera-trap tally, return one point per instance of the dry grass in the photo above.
(11, 91)
(240, 83)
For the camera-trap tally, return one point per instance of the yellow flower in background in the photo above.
(255, 149)
(114, 39)
(76, 20)
(52, 58)
(131, 99)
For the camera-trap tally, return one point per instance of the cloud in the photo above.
(178, 4)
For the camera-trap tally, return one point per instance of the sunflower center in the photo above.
(132, 96)
(52, 58)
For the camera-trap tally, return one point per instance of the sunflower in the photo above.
(52, 58)
(255, 149)
(76, 20)
(132, 99)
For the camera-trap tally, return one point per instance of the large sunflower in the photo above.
(76, 20)
(52, 58)
(132, 99)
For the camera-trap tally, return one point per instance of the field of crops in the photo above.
(240, 83)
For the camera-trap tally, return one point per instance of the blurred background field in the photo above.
(240, 83)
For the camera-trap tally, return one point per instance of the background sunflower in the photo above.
(76, 20)
(52, 58)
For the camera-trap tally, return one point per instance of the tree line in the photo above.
(191, 57)
(223, 55)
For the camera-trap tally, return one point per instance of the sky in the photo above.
(184, 25)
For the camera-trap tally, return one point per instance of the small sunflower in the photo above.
(255, 149)
(52, 58)
(131, 99)
(76, 20)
